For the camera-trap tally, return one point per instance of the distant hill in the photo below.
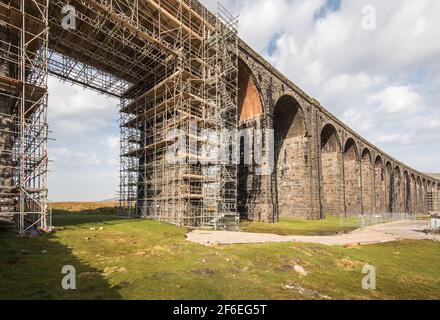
(111, 200)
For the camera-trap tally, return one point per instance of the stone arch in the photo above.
(367, 173)
(330, 172)
(289, 118)
(352, 189)
(414, 203)
(291, 160)
(250, 109)
(380, 185)
(389, 189)
(249, 99)
(424, 197)
(406, 192)
(397, 190)
(419, 196)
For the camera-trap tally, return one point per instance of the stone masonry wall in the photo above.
(367, 175)
(292, 179)
(380, 186)
(352, 181)
(314, 175)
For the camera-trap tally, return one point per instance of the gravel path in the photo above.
(375, 234)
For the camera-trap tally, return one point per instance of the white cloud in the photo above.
(398, 99)
(74, 159)
(71, 100)
(383, 83)
(113, 142)
(396, 138)
(85, 152)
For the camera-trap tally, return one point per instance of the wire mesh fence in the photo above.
(428, 224)
(367, 220)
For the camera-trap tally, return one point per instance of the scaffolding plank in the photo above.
(117, 19)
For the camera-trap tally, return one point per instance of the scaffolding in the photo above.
(23, 98)
(433, 201)
(164, 176)
(173, 65)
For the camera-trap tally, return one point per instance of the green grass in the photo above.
(329, 226)
(140, 259)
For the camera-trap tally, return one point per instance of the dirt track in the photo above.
(375, 234)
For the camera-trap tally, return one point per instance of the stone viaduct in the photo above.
(323, 168)
(166, 60)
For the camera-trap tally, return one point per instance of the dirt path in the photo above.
(375, 234)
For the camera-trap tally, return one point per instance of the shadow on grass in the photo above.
(30, 269)
(102, 210)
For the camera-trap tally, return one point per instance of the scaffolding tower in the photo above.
(23, 112)
(173, 65)
(164, 175)
(432, 201)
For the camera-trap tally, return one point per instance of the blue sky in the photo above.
(384, 83)
(329, 6)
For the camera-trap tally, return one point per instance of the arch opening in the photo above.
(419, 196)
(331, 172)
(249, 102)
(414, 202)
(397, 199)
(380, 185)
(291, 160)
(406, 193)
(367, 173)
(424, 197)
(389, 181)
(250, 109)
(352, 180)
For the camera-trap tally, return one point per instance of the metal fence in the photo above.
(356, 221)
(375, 219)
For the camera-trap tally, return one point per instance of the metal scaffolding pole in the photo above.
(24, 88)
(174, 67)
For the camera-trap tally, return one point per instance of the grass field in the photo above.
(140, 259)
